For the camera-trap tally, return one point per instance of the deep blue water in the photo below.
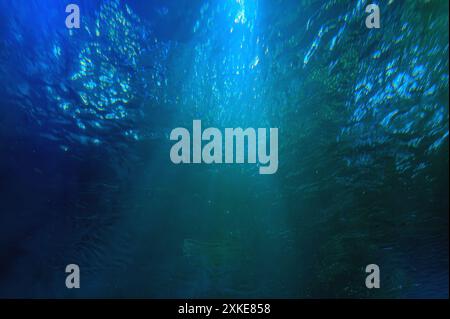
(86, 178)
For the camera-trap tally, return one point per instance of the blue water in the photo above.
(86, 178)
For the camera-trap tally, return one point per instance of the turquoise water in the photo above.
(86, 177)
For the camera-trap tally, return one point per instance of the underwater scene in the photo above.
(359, 165)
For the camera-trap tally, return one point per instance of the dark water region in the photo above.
(86, 178)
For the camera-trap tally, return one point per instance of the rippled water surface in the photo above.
(86, 177)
